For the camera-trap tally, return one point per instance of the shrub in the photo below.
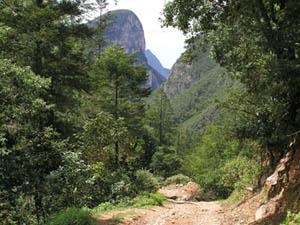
(221, 163)
(165, 162)
(121, 190)
(238, 174)
(148, 199)
(103, 207)
(73, 216)
(146, 181)
(142, 200)
(178, 179)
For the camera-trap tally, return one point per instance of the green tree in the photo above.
(159, 118)
(50, 37)
(119, 90)
(29, 146)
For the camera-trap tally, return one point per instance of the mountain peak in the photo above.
(126, 30)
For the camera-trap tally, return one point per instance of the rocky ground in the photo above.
(188, 213)
(180, 209)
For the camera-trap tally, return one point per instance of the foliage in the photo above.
(72, 216)
(140, 201)
(146, 181)
(29, 147)
(99, 134)
(148, 199)
(49, 37)
(165, 162)
(292, 219)
(240, 173)
(122, 189)
(75, 183)
(216, 159)
(159, 118)
(118, 90)
(258, 43)
(178, 179)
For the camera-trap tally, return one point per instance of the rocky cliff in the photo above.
(125, 29)
(154, 62)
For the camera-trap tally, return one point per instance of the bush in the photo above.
(238, 174)
(221, 163)
(165, 162)
(73, 216)
(122, 189)
(103, 207)
(148, 199)
(178, 179)
(146, 181)
(142, 200)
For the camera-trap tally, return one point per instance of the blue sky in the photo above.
(166, 43)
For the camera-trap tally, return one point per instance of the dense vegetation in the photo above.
(74, 127)
(80, 130)
(257, 42)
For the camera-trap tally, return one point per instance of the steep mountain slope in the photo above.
(156, 64)
(193, 88)
(125, 29)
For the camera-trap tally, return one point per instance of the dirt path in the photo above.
(187, 213)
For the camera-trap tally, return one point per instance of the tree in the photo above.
(159, 118)
(258, 43)
(29, 147)
(49, 37)
(119, 90)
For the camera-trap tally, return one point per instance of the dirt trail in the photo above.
(179, 214)
(180, 209)
(187, 213)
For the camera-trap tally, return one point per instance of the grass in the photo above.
(142, 200)
(292, 219)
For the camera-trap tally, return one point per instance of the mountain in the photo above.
(125, 29)
(193, 88)
(156, 64)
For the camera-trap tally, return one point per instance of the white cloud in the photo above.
(166, 43)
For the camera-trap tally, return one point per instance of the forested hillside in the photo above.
(193, 88)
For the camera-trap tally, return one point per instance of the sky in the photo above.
(166, 43)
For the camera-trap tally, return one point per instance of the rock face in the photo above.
(125, 29)
(154, 62)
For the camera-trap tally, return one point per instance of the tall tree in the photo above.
(120, 89)
(159, 117)
(49, 36)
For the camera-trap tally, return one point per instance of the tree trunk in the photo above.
(116, 105)
(161, 121)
